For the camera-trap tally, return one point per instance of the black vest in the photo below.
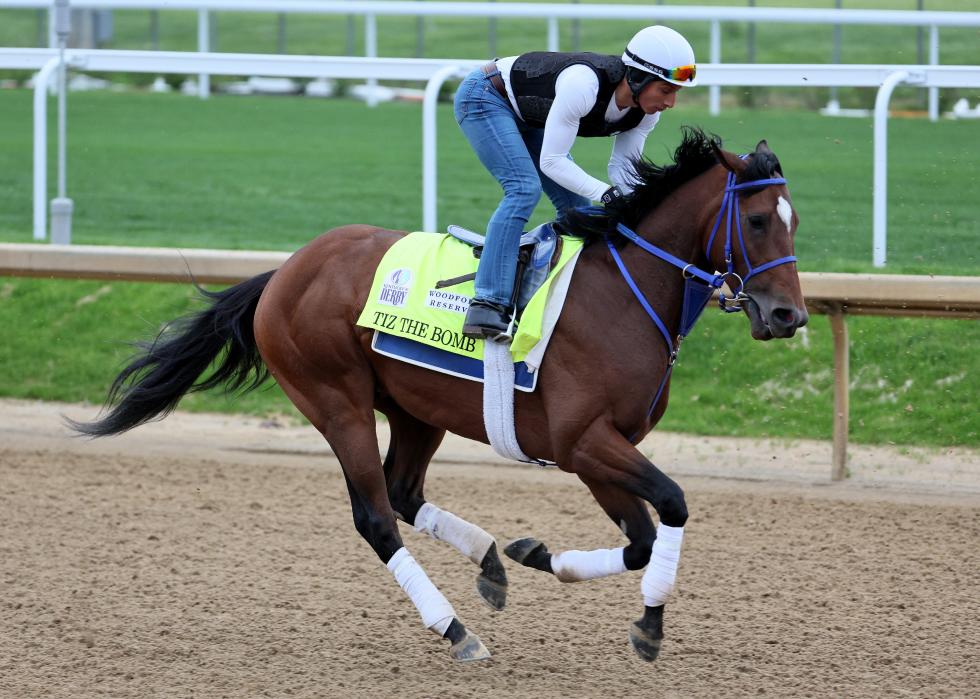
(532, 81)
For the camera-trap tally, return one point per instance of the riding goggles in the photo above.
(684, 74)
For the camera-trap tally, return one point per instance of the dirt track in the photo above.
(212, 556)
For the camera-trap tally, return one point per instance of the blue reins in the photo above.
(698, 284)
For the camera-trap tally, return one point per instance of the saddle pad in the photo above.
(404, 301)
(525, 379)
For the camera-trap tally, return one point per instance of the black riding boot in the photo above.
(486, 320)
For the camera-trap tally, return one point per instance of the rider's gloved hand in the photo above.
(612, 196)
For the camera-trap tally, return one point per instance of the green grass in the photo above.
(272, 173)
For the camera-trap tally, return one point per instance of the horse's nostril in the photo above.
(785, 316)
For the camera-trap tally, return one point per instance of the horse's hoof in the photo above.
(644, 643)
(493, 593)
(469, 648)
(530, 552)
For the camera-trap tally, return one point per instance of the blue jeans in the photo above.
(511, 151)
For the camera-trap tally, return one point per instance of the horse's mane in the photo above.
(651, 184)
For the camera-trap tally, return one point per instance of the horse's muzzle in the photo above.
(773, 317)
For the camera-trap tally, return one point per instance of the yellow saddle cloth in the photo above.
(405, 302)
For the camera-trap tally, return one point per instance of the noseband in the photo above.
(698, 284)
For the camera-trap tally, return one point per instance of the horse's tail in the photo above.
(168, 367)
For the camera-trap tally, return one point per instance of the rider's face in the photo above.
(658, 96)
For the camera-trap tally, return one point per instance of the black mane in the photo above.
(651, 185)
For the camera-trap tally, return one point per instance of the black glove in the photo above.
(612, 196)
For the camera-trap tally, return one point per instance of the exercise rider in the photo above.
(522, 114)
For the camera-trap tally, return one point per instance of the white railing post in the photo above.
(714, 92)
(52, 35)
(880, 189)
(933, 61)
(429, 115)
(61, 205)
(41, 81)
(553, 37)
(204, 46)
(371, 51)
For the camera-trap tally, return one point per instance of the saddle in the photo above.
(540, 249)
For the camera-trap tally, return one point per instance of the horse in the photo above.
(602, 387)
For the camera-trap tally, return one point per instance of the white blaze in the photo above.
(785, 211)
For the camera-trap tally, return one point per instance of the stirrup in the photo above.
(507, 336)
(496, 325)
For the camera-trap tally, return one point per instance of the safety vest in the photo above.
(532, 81)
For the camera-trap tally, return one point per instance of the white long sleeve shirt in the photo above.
(576, 91)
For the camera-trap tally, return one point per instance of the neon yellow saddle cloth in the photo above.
(405, 302)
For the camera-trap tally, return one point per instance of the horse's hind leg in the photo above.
(344, 415)
(411, 448)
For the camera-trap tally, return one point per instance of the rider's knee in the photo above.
(524, 193)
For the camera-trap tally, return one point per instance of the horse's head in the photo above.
(752, 238)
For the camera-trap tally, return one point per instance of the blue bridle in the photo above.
(698, 284)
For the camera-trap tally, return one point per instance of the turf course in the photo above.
(271, 173)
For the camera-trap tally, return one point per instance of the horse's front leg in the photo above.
(630, 513)
(607, 462)
(627, 511)
(605, 456)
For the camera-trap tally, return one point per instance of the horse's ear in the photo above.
(763, 148)
(731, 161)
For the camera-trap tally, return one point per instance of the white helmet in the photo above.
(661, 52)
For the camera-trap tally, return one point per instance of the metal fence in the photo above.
(552, 13)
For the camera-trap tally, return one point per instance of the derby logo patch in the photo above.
(394, 290)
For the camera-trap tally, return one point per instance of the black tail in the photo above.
(168, 367)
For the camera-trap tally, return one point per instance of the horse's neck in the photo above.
(676, 226)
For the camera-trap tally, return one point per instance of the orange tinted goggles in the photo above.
(682, 74)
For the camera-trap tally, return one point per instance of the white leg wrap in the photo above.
(573, 566)
(658, 578)
(437, 614)
(468, 539)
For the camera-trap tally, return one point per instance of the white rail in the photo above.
(436, 71)
(371, 9)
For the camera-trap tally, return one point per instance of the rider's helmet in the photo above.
(659, 53)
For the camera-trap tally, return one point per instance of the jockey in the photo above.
(521, 115)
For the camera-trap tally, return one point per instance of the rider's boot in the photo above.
(496, 322)
(487, 320)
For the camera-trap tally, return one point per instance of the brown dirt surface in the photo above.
(215, 556)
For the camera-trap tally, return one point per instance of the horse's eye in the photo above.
(757, 221)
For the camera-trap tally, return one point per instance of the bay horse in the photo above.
(604, 383)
